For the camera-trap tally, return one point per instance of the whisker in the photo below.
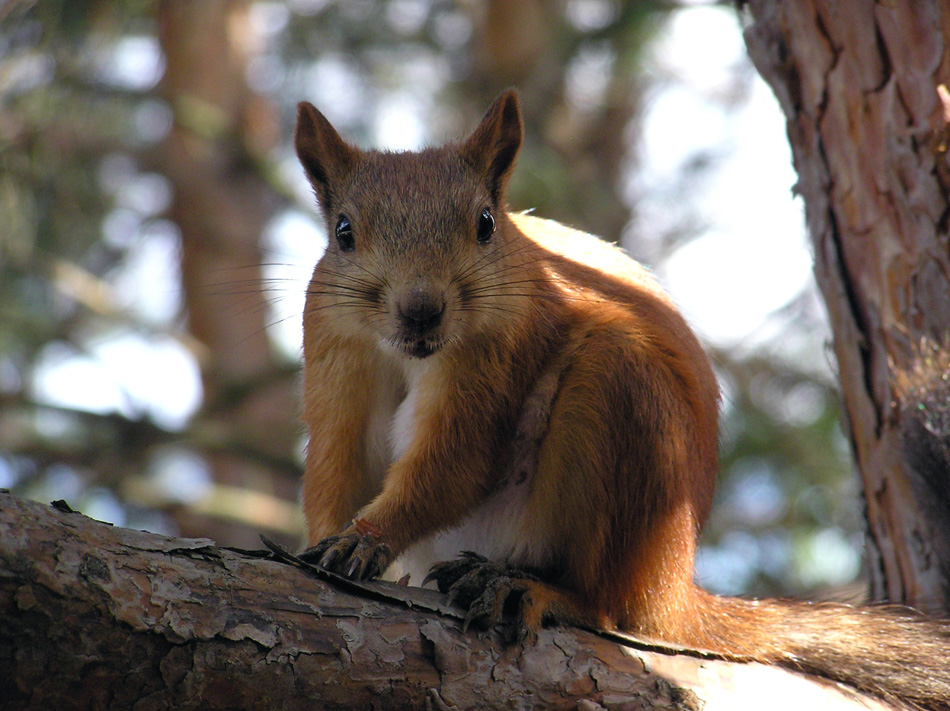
(329, 288)
(347, 277)
(483, 260)
(341, 304)
(480, 286)
(377, 278)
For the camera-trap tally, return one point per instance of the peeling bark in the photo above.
(96, 617)
(858, 82)
(102, 617)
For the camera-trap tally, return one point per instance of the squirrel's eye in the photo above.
(486, 226)
(344, 235)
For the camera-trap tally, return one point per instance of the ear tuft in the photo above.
(493, 146)
(323, 154)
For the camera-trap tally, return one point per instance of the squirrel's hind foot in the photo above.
(488, 590)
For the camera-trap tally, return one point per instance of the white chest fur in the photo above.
(500, 529)
(403, 426)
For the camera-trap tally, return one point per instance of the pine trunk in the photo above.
(221, 205)
(859, 83)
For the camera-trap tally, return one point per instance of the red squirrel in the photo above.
(484, 382)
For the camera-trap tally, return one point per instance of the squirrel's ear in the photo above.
(493, 146)
(324, 155)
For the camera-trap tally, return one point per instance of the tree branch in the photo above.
(93, 616)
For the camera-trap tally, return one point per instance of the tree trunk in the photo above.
(858, 82)
(95, 617)
(221, 205)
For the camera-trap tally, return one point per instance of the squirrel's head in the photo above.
(419, 242)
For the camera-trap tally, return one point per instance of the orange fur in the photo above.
(534, 396)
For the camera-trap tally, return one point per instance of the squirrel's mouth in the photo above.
(414, 347)
(420, 349)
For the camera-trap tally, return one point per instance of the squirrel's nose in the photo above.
(421, 311)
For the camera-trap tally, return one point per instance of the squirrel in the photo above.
(515, 410)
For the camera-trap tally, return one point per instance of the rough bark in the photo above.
(858, 82)
(96, 617)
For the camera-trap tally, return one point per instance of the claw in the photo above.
(352, 553)
(451, 596)
(447, 574)
(472, 585)
(314, 554)
(522, 634)
(430, 576)
(329, 558)
(467, 622)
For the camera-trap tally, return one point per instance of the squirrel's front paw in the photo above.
(484, 588)
(358, 552)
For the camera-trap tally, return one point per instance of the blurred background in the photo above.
(157, 234)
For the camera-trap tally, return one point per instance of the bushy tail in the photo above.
(893, 653)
